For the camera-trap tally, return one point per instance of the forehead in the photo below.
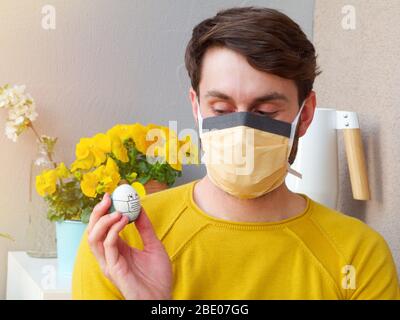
(229, 72)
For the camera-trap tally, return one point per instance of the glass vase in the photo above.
(41, 233)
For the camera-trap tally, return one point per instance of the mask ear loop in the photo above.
(199, 118)
(200, 125)
(291, 140)
(294, 172)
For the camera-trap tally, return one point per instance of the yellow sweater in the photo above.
(319, 254)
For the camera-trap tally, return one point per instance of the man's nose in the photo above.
(243, 108)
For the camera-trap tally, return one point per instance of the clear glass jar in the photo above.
(41, 234)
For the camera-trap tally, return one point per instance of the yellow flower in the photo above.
(136, 132)
(62, 171)
(171, 150)
(139, 136)
(100, 147)
(176, 165)
(156, 138)
(91, 152)
(188, 151)
(165, 145)
(46, 183)
(84, 164)
(111, 166)
(82, 150)
(103, 179)
(119, 131)
(152, 126)
(141, 191)
(89, 184)
(119, 150)
(110, 177)
(117, 135)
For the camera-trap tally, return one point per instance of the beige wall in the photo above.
(361, 72)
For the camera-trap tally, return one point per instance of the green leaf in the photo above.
(85, 215)
(144, 179)
(143, 166)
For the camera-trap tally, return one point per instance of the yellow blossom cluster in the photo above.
(46, 182)
(98, 172)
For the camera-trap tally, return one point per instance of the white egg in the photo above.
(126, 200)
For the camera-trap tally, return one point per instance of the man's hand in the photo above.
(138, 274)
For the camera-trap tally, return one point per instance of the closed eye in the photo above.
(221, 111)
(266, 114)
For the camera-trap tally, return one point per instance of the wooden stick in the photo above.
(357, 165)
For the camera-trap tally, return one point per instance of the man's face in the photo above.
(229, 84)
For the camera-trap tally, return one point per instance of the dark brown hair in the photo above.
(268, 39)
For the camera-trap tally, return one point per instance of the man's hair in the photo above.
(268, 39)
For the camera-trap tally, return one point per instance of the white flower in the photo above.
(10, 96)
(21, 109)
(11, 131)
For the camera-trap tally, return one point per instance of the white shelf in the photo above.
(35, 278)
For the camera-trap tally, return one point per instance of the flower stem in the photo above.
(30, 125)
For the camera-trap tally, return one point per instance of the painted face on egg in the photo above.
(126, 201)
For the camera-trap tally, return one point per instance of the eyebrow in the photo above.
(271, 96)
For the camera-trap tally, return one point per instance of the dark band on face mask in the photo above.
(247, 119)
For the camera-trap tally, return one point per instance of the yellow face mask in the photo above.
(246, 155)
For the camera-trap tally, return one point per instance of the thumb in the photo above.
(146, 230)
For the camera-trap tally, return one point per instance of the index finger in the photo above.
(98, 211)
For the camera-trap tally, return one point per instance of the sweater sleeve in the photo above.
(376, 274)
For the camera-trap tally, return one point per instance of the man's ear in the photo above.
(307, 114)
(193, 97)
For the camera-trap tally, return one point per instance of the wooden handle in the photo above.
(357, 165)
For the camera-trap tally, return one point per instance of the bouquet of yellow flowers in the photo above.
(132, 153)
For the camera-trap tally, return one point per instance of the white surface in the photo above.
(317, 160)
(347, 120)
(35, 279)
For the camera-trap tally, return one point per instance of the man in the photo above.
(232, 235)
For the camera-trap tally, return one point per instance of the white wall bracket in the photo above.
(346, 120)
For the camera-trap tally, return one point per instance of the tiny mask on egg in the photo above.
(126, 201)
